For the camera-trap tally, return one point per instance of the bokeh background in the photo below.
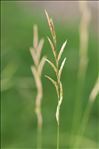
(18, 90)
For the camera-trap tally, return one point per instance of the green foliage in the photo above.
(18, 120)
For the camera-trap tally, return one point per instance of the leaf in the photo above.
(41, 65)
(52, 65)
(61, 50)
(61, 68)
(34, 56)
(6, 84)
(39, 48)
(7, 75)
(35, 38)
(54, 83)
(52, 47)
(9, 70)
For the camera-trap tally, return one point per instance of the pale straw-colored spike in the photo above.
(48, 19)
(37, 71)
(95, 91)
(35, 39)
(39, 96)
(61, 68)
(41, 65)
(34, 56)
(52, 47)
(35, 74)
(51, 26)
(49, 22)
(52, 65)
(39, 48)
(54, 83)
(61, 50)
(53, 31)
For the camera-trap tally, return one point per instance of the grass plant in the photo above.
(57, 69)
(37, 73)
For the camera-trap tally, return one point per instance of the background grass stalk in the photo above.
(57, 70)
(37, 72)
(83, 62)
(92, 97)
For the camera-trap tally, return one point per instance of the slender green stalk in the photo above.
(83, 126)
(58, 137)
(57, 69)
(92, 97)
(39, 138)
(83, 62)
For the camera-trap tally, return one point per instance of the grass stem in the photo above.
(39, 138)
(58, 134)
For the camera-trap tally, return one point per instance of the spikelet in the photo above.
(54, 83)
(61, 68)
(35, 39)
(58, 71)
(52, 65)
(51, 27)
(61, 50)
(52, 47)
(37, 69)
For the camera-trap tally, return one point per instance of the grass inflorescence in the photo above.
(37, 73)
(57, 69)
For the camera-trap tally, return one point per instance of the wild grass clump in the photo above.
(37, 69)
(57, 69)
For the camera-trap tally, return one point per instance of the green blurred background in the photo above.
(18, 119)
